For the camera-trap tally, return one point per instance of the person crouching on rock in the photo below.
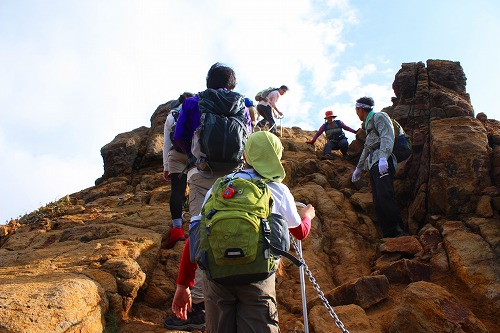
(335, 136)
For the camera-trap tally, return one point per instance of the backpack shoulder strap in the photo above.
(379, 114)
(285, 254)
(175, 114)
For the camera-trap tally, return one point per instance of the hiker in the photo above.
(267, 107)
(220, 81)
(247, 307)
(335, 137)
(252, 111)
(377, 158)
(174, 164)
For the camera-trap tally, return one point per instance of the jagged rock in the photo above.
(430, 238)
(483, 208)
(489, 229)
(386, 259)
(121, 155)
(114, 258)
(406, 245)
(109, 239)
(51, 302)
(426, 307)
(365, 292)
(458, 172)
(352, 316)
(473, 260)
(406, 271)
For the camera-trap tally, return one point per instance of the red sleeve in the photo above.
(186, 268)
(302, 231)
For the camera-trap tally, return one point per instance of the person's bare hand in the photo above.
(308, 211)
(181, 303)
(166, 176)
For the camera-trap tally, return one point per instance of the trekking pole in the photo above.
(281, 126)
(302, 280)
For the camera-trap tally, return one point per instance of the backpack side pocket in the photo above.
(194, 241)
(280, 237)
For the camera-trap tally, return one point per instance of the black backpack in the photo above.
(402, 148)
(223, 130)
(175, 114)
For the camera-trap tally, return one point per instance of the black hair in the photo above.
(221, 76)
(366, 100)
(185, 95)
(283, 87)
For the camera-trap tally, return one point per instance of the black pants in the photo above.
(384, 200)
(178, 183)
(267, 113)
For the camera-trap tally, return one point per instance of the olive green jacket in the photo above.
(379, 141)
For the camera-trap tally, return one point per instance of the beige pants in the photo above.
(176, 161)
(199, 184)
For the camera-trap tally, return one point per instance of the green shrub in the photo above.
(50, 210)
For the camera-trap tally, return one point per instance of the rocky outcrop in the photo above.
(99, 260)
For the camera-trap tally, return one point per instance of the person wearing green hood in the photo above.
(250, 307)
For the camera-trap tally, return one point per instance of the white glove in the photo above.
(383, 166)
(356, 175)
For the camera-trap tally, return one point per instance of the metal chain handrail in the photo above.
(316, 286)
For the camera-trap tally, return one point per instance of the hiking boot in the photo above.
(195, 320)
(175, 235)
(327, 157)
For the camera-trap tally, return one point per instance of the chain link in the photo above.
(316, 287)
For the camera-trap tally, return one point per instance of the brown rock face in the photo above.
(429, 308)
(97, 265)
(460, 165)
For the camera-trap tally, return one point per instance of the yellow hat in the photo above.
(263, 151)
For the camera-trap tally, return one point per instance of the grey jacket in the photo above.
(379, 141)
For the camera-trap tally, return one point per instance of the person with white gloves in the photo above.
(377, 158)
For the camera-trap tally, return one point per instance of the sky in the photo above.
(74, 74)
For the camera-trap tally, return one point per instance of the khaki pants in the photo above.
(176, 161)
(244, 308)
(199, 184)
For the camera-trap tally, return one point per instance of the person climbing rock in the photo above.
(174, 165)
(335, 136)
(377, 158)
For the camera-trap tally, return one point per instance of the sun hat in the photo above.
(329, 114)
(263, 151)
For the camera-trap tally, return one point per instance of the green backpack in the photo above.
(262, 95)
(239, 239)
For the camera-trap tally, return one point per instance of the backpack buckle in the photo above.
(228, 192)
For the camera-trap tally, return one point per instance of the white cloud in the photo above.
(31, 180)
